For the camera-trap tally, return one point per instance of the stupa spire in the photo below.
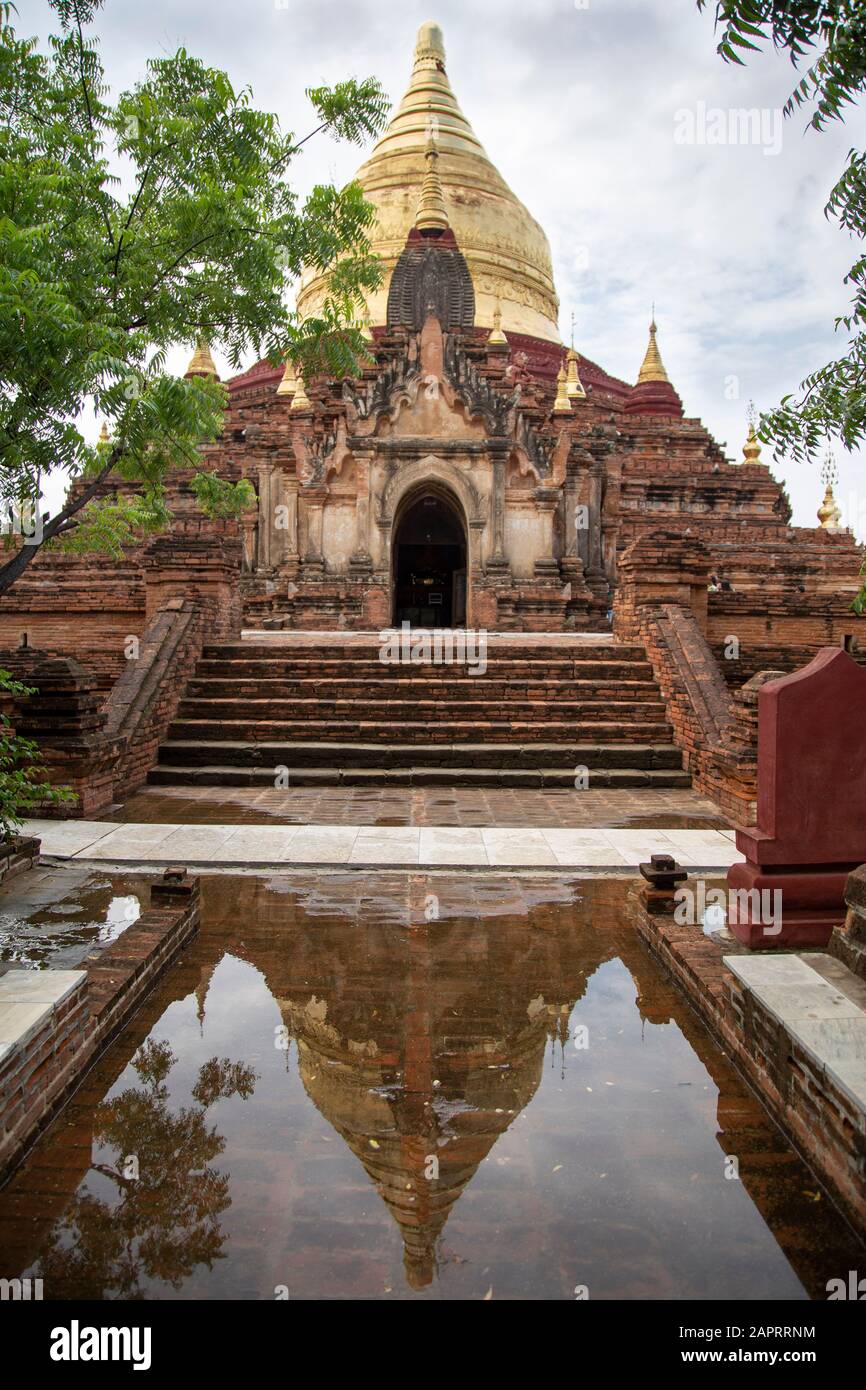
(653, 368)
(300, 400)
(431, 215)
(506, 251)
(562, 404)
(201, 363)
(751, 448)
(289, 384)
(497, 337)
(574, 386)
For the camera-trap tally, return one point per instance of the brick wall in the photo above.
(661, 602)
(192, 592)
(79, 606)
(145, 699)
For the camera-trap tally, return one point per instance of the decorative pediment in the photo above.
(396, 385)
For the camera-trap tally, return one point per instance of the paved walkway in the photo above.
(358, 846)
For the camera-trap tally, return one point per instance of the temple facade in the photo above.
(477, 472)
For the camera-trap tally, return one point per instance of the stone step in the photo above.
(427, 731)
(489, 711)
(167, 775)
(404, 687)
(497, 669)
(268, 756)
(369, 651)
(327, 714)
(567, 673)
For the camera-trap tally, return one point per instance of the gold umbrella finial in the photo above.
(829, 513)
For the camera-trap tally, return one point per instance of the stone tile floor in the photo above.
(433, 806)
(358, 846)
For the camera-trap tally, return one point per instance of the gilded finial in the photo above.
(829, 512)
(201, 363)
(289, 384)
(497, 337)
(574, 385)
(104, 436)
(562, 402)
(430, 45)
(751, 448)
(431, 215)
(653, 368)
(300, 400)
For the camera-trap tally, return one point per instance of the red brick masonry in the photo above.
(38, 1077)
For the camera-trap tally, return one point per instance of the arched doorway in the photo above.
(429, 561)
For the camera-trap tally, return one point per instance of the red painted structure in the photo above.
(811, 822)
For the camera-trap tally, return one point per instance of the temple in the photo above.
(476, 473)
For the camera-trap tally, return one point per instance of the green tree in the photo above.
(131, 226)
(827, 39)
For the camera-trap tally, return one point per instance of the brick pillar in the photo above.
(737, 763)
(64, 718)
(661, 567)
(203, 568)
(361, 559)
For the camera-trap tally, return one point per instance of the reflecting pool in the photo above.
(426, 1085)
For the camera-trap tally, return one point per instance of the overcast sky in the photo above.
(580, 105)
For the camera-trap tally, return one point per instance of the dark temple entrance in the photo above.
(430, 564)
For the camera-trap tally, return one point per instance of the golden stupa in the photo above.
(506, 250)
(653, 368)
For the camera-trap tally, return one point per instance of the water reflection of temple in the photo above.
(422, 1009)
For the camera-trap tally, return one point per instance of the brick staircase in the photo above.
(332, 714)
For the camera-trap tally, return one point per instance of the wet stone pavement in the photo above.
(54, 917)
(413, 1085)
(456, 806)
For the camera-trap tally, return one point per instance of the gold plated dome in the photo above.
(506, 250)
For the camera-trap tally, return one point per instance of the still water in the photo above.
(417, 1086)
